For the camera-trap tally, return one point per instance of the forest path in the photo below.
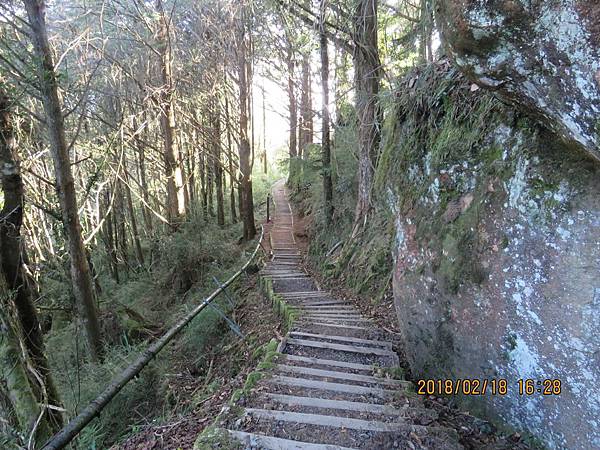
(327, 389)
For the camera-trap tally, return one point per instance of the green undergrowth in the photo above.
(267, 354)
(177, 275)
(214, 436)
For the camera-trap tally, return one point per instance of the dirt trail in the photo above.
(327, 390)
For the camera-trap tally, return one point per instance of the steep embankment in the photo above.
(496, 253)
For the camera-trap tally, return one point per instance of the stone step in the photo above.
(337, 325)
(343, 313)
(371, 342)
(328, 362)
(345, 405)
(335, 318)
(252, 440)
(307, 294)
(332, 421)
(299, 370)
(341, 307)
(315, 303)
(340, 347)
(335, 387)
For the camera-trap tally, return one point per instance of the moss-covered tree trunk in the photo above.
(13, 277)
(21, 393)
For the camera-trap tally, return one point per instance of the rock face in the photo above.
(497, 254)
(541, 54)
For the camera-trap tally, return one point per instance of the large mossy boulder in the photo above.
(496, 269)
(541, 54)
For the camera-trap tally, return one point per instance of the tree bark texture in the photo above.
(14, 276)
(232, 180)
(367, 73)
(325, 138)
(217, 167)
(247, 203)
(176, 206)
(83, 287)
(291, 90)
(306, 127)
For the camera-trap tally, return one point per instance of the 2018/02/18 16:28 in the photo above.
(485, 386)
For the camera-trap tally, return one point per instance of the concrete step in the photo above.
(335, 421)
(328, 362)
(344, 376)
(339, 325)
(369, 342)
(251, 440)
(343, 405)
(340, 347)
(306, 294)
(340, 307)
(335, 319)
(335, 314)
(353, 389)
(316, 303)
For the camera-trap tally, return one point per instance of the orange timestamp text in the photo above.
(484, 386)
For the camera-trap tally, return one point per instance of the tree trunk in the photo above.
(367, 73)
(133, 221)
(325, 141)
(21, 392)
(120, 225)
(146, 213)
(247, 204)
(292, 104)
(109, 238)
(232, 180)
(217, 168)
(203, 189)
(305, 109)
(210, 178)
(264, 130)
(14, 276)
(191, 173)
(176, 206)
(83, 288)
